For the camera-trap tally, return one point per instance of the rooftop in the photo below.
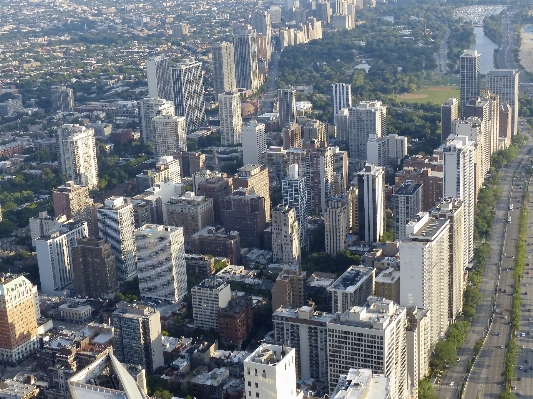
(389, 276)
(352, 278)
(377, 314)
(303, 313)
(360, 384)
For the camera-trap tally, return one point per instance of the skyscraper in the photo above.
(207, 299)
(504, 83)
(292, 136)
(116, 224)
(286, 106)
(255, 177)
(223, 68)
(319, 177)
(337, 224)
(159, 81)
(18, 318)
(371, 203)
(449, 111)
(138, 336)
(470, 64)
(94, 269)
(424, 273)
(407, 203)
(294, 193)
(54, 256)
(188, 89)
(341, 97)
(459, 183)
(169, 135)
(285, 236)
(150, 108)
(246, 65)
(261, 23)
(62, 99)
(380, 322)
(229, 113)
(74, 202)
(253, 142)
(161, 262)
(77, 155)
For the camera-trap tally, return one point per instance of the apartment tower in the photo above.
(246, 63)
(470, 64)
(285, 236)
(229, 114)
(504, 83)
(223, 68)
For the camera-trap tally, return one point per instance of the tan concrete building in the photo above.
(388, 284)
(18, 319)
(256, 177)
(216, 188)
(418, 346)
(289, 290)
(74, 202)
(285, 235)
(337, 223)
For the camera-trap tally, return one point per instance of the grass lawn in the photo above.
(434, 94)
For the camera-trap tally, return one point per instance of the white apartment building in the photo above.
(337, 224)
(352, 288)
(159, 81)
(459, 183)
(253, 142)
(229, 114)
(362, 384)
(44, 224)
(470, 65)
(358, 123)
(377, 150)
(150, 108)
(54, 256)
(188, 89)
(285, 236)
(294, 193)
(138, 340)
(504, 83)
(342, 98)
(424, 270)
(77, 155)
(223, 67)
(246, 62)
(270, 373)
(370, 337)
(397, 146)
(116, 224)
(161, 262)
(169, 136)
(370, 184)
(207, 299)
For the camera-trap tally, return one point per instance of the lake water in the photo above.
(486, 48)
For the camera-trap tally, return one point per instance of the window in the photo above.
(257, 394)
(250, 384)
(256, 385)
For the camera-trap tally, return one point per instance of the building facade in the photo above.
(229, 114)
(246, 62)
(504, 83)
(169, 135)
(286, 107)
(352, 288)
(337, 224)
(208, 298)
(470, 64)
(449, 111)
(341, 97)
(294, 193)
(253, 142)
(407, 203)
(371, 203)
(285, 236)
(188, 90)
(223, 68)
(150, 108)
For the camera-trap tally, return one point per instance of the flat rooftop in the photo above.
(352, 278)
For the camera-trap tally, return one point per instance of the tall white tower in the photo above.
(77, 153)
(223, 68)
(188, 89)
(246, 64)
(150, 108)
(169, 135)
(366, 118)
(371, 203)
(253, 142)
(504, 83)
(341, 96)
(159, 81)
(229, 113)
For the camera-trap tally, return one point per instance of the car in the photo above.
(501, 346)
(522, 346)
(451, 384)
(521, 367)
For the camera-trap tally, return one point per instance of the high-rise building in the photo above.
(253, 142)
(380, 322)
(74, 202)
(388, 284)
(207, 299)
(305, 330)
(275, 159)
(223, 68)
(424, 280)
(261, 23)
(229, 113)
(94, 270)
(138, 337)
(18, 319)
(244, 211)
(159, 79)
(54, 256)
(246, 64)
(216, 188)
(341, 97)
(366, 118)
(116, 223)
(470, 64)
(352, 288)
(150, 108)
(407, 203)
(292, 136)
(77, 154)
(453, 210)
(188, 89)
(419, 348)
(459, 160)
(318, 170)
(161, 262)
(504, 83)
(286, 107)
(289, 289)
(62, 98)
(337, 224)
(255, 177)
(294, 195)
(313, 130)
(473, 129)
(192, 212)
(236, 320)
(397, 148)
(285, 236)
(377, 150)
(169, 135)
(270, 373)
(358, 383)
(371, 203)
(44, 224)
(449, 111)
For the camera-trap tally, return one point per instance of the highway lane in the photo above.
(456, 373)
